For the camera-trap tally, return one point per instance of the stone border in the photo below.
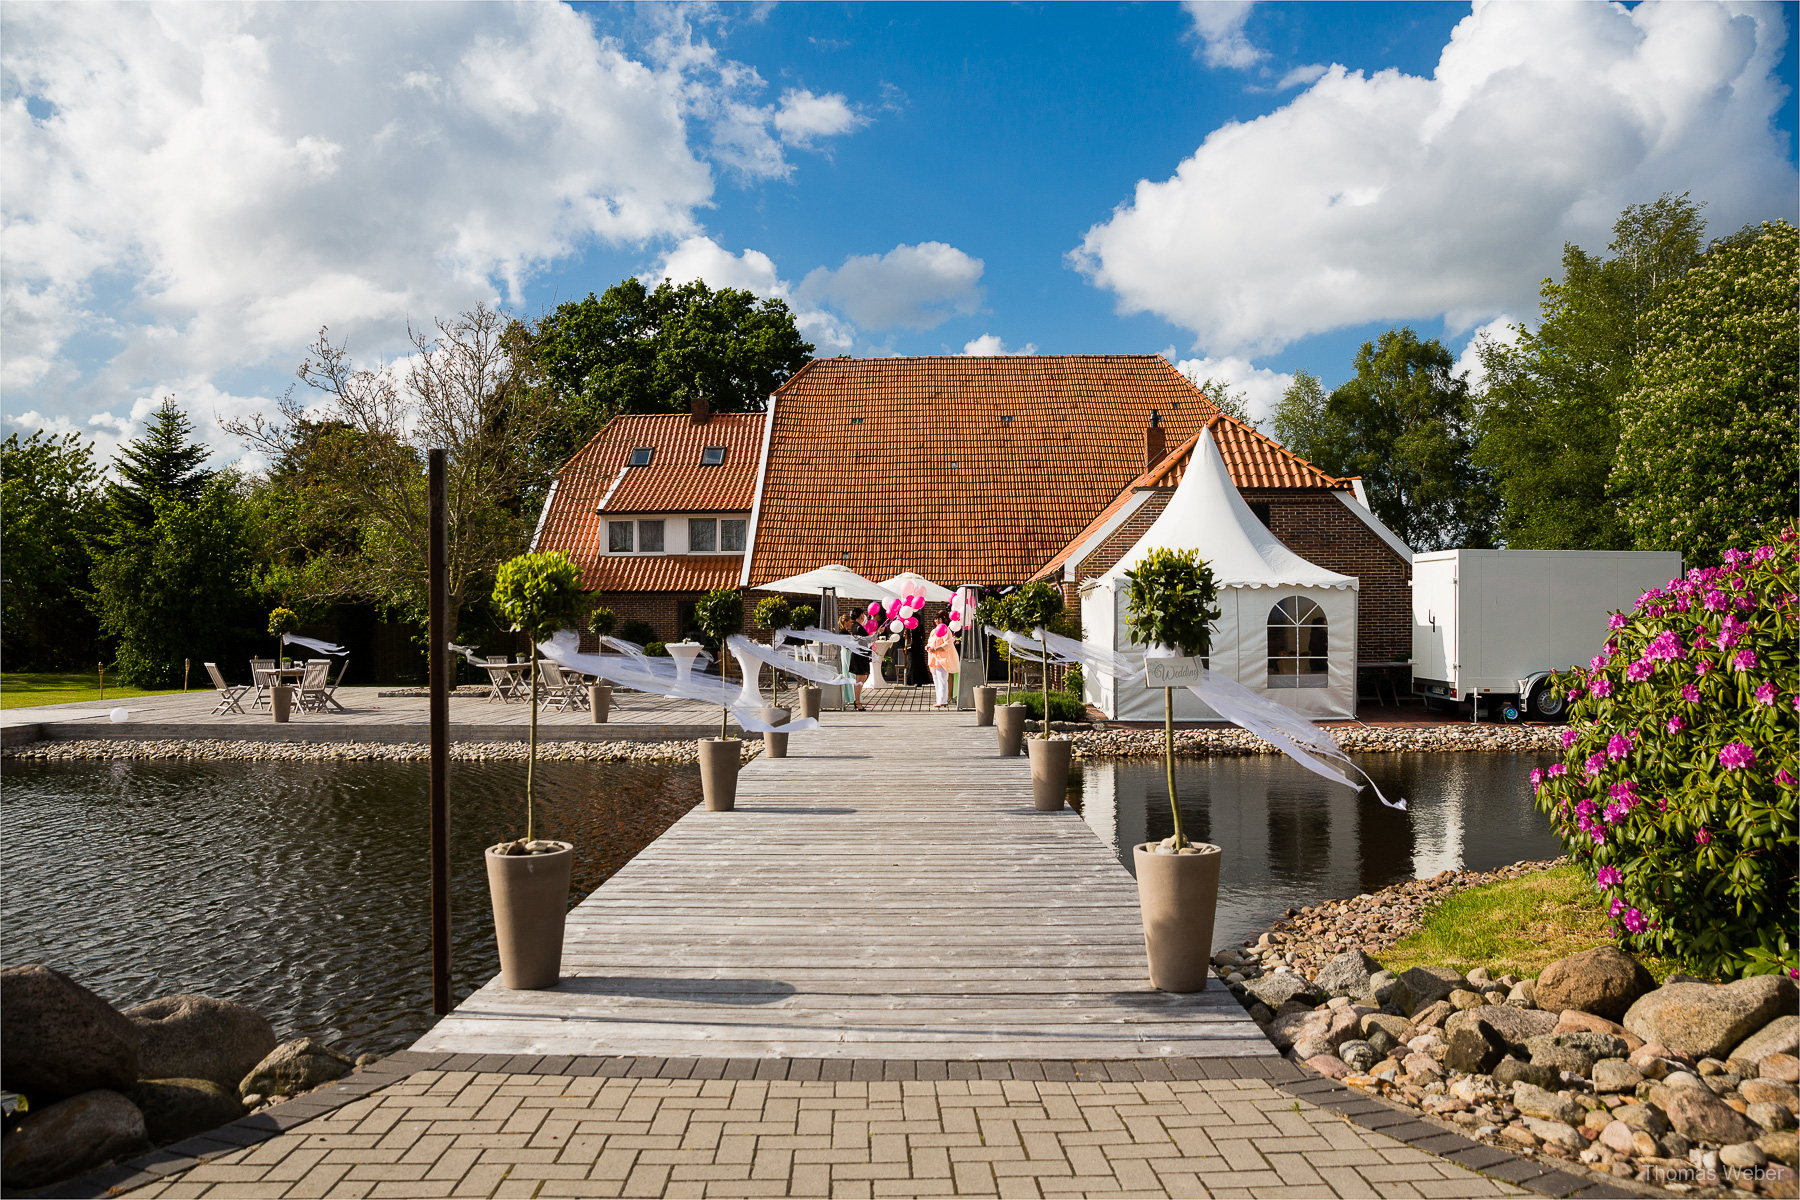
(1404, 1125)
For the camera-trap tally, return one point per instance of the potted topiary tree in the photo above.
(528, 878)
(987, 613)
(1034, 607)
(1172, 599)
(805, 616)
(720, 613)
(282, 621)
(775, 614)
(1009, 718)
(602, 621)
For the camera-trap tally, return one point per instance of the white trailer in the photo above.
(1490, 625)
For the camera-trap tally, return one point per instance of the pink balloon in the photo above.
(870, 626)
(912, 622)
(941, 630)
(874, 608)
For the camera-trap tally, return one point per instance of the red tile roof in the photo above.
(674, 482)
(860, 466)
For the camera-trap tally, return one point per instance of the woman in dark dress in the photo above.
(918, 672)
(859, 662)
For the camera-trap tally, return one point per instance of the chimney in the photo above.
(702, 411)
(1154, 447)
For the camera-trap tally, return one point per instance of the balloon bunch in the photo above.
(897, 614)
(959, 616)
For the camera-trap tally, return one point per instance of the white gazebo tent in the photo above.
(1286, 628)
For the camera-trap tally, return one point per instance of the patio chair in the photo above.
(563, 692)
(228, 693)
(330, 696)
(312, 684)
(261, 680)
(506, 684)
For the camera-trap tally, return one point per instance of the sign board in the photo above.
(1171, 672)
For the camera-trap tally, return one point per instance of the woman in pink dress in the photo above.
(940, 651)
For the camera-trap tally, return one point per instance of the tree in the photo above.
(1298, 420)
(50, 512)
(541, 595)
(467, 389)
(1549, 420)
(640, 350)
(1708, 443)
(165, 464)
(1232, 404)
(1403, 424)
(1173, 600)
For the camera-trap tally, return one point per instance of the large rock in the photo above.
(1603, 981)
(1546, 1105)
(1575, 1021)
(1420, 986)
(1474, 1049)
(295, 1067)
(1511, 1070)
(1275, 990)
(59, 1039)
(197, 1037)
(1577, 1052)
(1700, 1116)
(1348, 974)
(179, 1108)
(1514, 1025)
(70, 1137)
(1780, 1036)
(1705, 1020)
(1321, 1031)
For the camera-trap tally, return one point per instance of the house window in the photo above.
(650, 537)
(1298, 645)
(640, 455)
(1261, 513)
(856, 420)
(712, 456)
(731, 535)
(618, 537)
(703, 534)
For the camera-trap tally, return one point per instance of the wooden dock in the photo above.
(886, 892)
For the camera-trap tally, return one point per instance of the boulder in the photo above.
(197, 1037)
(1700, 1116)
(1511, 1070)
(1616, 1075)
(1523, 994)
(59, 1039)
(1347, 974)
(1557, 1133)
(1422, 1067)
(1619, 1137)
(1396, 1027)
(1329, 1027)
(1357, 1055)
(1770, 1116)
(1745, 1156)
(1603, 981)
(1474, 1049)
(1780, 1036)
(1647, 1117)
(1328, 1065)
(1575, 1021)
(179, 1108)
(1419, 986)
(1768, 1091)
(1463, 1000)
(1547, 1105)
(295, 1067)
(1782, 1067)
(69, 1137)
(1274, 990)
(1434, 1015)
(1782, 1146)
(1706, 1020)
(1381, 986)
(1515, 1026)
(1577, 1052)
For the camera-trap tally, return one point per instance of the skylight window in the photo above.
(640, 455)
(712, 456)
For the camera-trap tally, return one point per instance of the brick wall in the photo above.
(1317, 527)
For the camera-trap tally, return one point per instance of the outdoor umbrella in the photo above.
(848, 584)
(912, 583)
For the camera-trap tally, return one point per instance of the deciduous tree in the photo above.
(51, 510)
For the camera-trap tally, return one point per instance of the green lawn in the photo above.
(1514, 927)
(21, 689)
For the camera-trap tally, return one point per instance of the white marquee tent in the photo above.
(1286, 629)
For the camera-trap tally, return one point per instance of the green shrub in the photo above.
(640, 632)
(603, 620)
(656, 650)
(1063, 707)
(1677, 790)
(774, 613)
(1072, 680)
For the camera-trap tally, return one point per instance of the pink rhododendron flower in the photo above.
(1702, 666)
(1676, 725)
(1617, 620)
(1595, 764)
(1737, 755)
(1614, 813)
(1634, 920)
(1683, 603)
(1665, 645)
(1783, 778)
(1639, 671)
(1744, 660)
(1714, 600)
(1569, 738)
(1763, 554)
(1765, 693)
(1690, 693)
(1537, 777)
(1597, 663)
(1616, 907)
(1744, 603)
(1558, 769)
(1601, 687)
(1617, 747)
(1608, 877)
(1625, 789)
(1703, 836)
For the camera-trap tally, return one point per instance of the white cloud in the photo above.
(1394, 197)
(989, 345)
(753, 271)
(1219, 24)
(804, 117)
(1300, 76)
(912, 287)
(1503, 330)
(1262, 387)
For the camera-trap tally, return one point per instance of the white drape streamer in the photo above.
(659, 677)
(1280, 726)
(312, 644)
(848, 641)
(1024, 647)
(742, 648)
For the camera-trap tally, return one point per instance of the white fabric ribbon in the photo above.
(312, 644)
(848, 641)
(659, 677)
(1023, 646)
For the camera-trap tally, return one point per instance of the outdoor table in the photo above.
(520, 687)
(878, 652)
(684, 654)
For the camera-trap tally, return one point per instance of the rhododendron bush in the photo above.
(1677, 788)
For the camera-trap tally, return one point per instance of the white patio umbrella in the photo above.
(913, 583)
(848, 584)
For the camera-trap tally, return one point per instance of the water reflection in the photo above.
(1291, 839)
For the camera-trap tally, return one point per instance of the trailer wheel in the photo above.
(1545, 703)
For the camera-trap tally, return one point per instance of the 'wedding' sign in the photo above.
(1171, 672)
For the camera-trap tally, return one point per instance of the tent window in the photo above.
(1298, 645)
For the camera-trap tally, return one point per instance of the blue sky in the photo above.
(1254, 189)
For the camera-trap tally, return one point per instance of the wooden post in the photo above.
(438, 587)
(101, 667)
(187, 665)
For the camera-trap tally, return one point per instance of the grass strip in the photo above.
(22, 689)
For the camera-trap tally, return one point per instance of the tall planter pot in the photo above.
(810, 698)
(1009, 728)
(775, 744)
(984, 705)
(531, 897)
(281, 701)
(1049, 772)
(1179, 896)
(719, 761)
(599, 702)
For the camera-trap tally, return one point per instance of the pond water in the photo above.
(1291, 838)
(299, 889)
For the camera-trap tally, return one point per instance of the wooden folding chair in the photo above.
(312, 684)
(228, 693)
(562, 692)
(330, 693)
(261, 680)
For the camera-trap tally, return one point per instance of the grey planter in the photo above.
(599, 702)
(1178, 895)
(984, 705)
(1049, 773)
(281, 701)
(1009, 728)
(810, 699)
(719, 760)
(775, 744)
(530, 893)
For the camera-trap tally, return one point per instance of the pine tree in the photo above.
(165, 462)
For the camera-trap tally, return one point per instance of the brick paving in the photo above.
(487, 1133)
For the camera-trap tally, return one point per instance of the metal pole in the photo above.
(438, 587)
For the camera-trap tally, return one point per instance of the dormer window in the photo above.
(712, 456)
(640, 455)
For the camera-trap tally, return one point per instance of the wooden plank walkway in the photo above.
(888, 892)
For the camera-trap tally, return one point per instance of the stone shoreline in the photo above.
(219, 750)
(1365, 739)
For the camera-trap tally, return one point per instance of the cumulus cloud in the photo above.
(1219, 26)
(990, 345)
(1502, 330)
(752, 271)
(1393, 197)
(804, 117)
(1262, 388)
(911, 287)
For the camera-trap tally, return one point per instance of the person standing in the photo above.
(941, 649)
(859, 663)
